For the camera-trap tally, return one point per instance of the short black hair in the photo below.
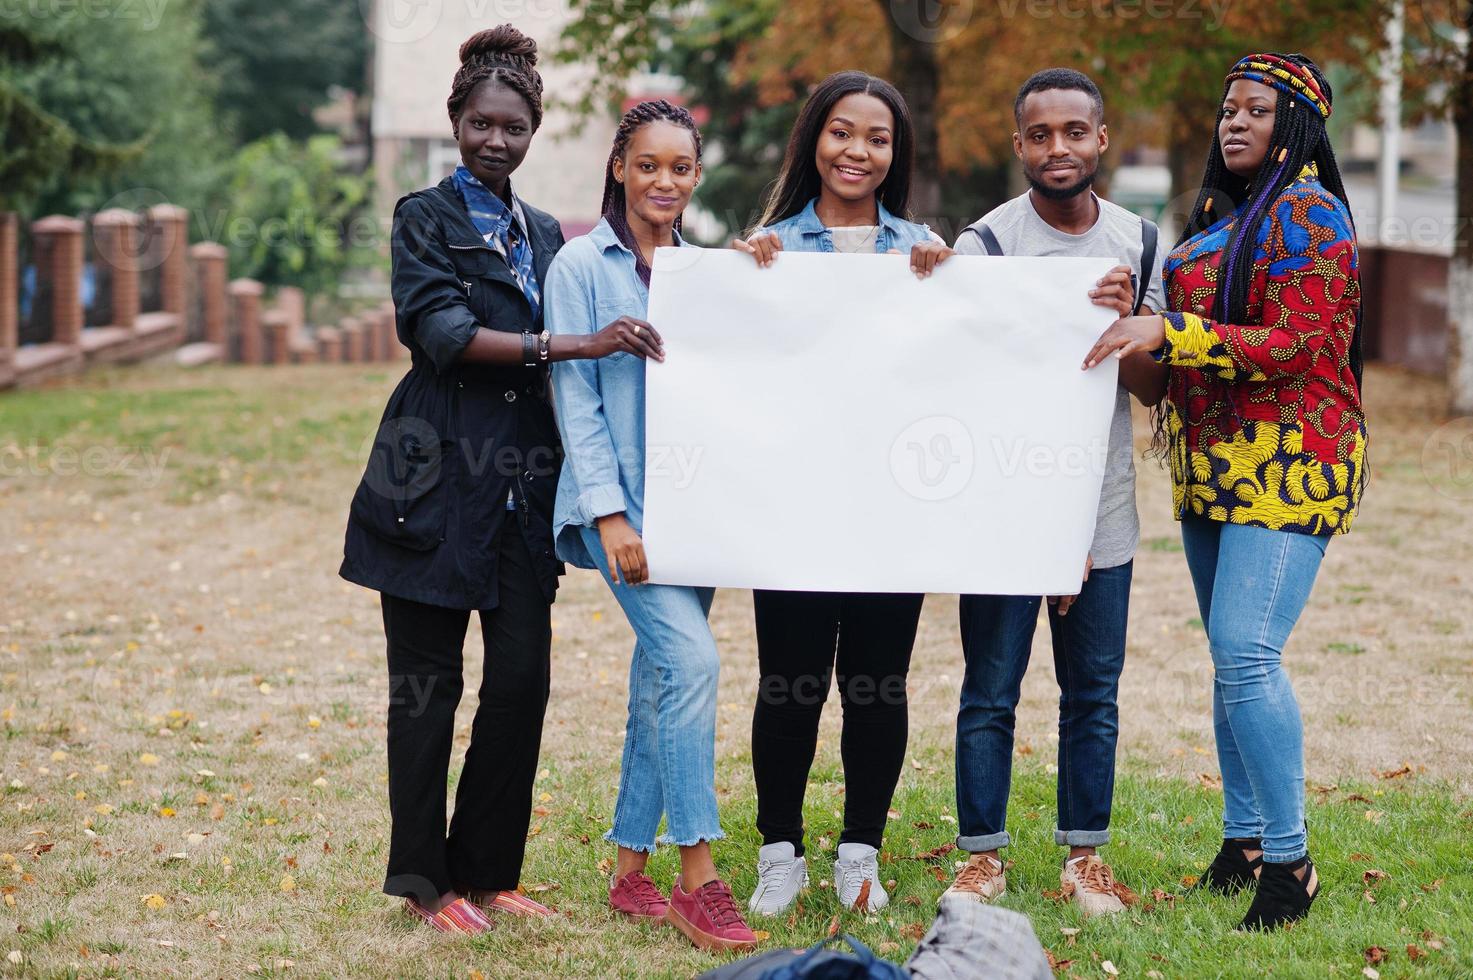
(1056, 78)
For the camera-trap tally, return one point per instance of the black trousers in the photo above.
(493, 798)
(801, 638)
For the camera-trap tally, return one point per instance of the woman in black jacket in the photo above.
(454, 511)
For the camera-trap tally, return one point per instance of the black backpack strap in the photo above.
(1149, 234)
(989, 240)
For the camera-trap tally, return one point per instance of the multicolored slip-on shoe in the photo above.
(510, 902)
(458, 916)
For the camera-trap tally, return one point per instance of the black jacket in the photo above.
(456, 437)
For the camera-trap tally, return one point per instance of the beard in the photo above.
(1054, 193)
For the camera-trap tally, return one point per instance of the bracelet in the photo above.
(544, 346)
(529, 351)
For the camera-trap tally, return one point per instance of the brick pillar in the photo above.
(329, 345)
(168, 251)
(396, 349)
(9, 288)
(293, 303)
(245, 305)
(213, 303)
(353, 337)
(57, 241)
(385, 329)
(274, 326)
(115, 243)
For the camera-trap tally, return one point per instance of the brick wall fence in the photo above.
(202, 317)
(155, 295)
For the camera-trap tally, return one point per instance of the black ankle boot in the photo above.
(1282, 896)
(1230, 871)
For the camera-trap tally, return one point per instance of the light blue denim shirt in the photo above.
(803, 232)
(600, 402)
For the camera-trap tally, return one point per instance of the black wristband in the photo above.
(529, 350)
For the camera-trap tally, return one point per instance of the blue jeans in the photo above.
(1252, 584)
(669, 764)
(1089, 653)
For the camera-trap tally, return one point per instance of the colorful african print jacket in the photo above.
(1264, 418)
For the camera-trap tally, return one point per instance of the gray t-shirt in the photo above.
(1020, 231)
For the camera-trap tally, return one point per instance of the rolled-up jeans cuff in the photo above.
(1285, 857)
(978, 843)
(1081, 838)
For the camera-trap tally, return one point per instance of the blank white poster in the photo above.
(831, 423)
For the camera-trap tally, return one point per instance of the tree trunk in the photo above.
(1188, 135)
(1460, 274)
(917, 74)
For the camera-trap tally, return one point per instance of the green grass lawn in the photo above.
(192, 757)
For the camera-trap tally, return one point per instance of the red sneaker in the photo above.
(709, 917)
(637, 896)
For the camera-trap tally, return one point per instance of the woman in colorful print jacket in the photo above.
(1267, 440)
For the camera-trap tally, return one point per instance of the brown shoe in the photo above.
(1091, 883)
(981, 880)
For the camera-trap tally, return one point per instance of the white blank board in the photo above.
(831, 423)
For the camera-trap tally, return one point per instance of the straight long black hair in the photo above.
(798, 182)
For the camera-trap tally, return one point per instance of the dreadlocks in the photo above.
(504, 54)
(612, 208)
(1299, 138)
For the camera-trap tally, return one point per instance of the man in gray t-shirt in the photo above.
(1061, 135)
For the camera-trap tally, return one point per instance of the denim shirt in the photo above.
(804, 232)
(600, 402)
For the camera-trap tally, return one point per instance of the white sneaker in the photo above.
(781, 875)
(857, 876)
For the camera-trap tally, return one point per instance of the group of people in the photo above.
(531, 353)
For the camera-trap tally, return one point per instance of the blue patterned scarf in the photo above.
(496, 224)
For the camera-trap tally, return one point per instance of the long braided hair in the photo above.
(1299, 138)
(504, 54)
(613, 207)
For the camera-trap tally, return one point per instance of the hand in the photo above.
(926, 256)
(627, 334)
(1127, 335)
(624, 549)
(1065, 601)
(762, 246)
(1115, 291)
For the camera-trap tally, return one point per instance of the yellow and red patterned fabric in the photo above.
(1264, 418)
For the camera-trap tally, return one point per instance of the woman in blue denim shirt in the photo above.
(669, 763)
(844, 180)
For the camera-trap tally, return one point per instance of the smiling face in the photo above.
(494, 130)
(1059, 140)
(1247, 125)
(659, 172)
(855, 147)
